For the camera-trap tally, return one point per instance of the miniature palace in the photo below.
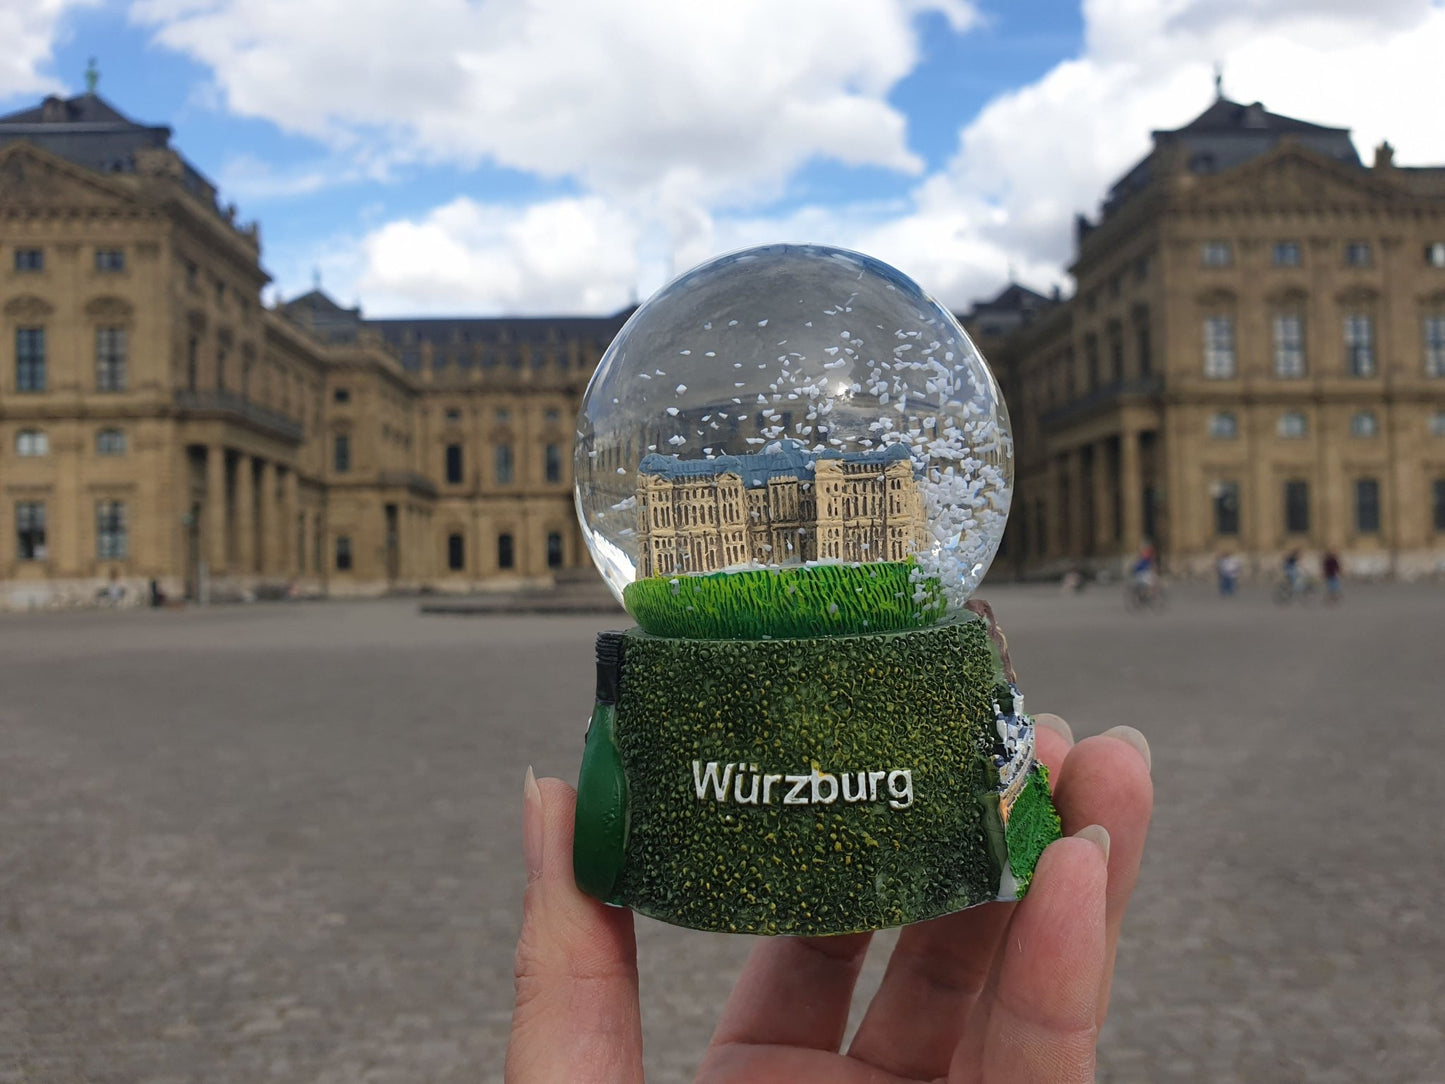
(784, 505)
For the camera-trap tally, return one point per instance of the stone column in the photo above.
(1131, 491)
(269, 510)
(291, 533)
(217, 523)
(245, 516)
(1103, 500)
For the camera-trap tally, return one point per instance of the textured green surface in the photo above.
(919, 700)
(812, 600)
(1032, 826)
(600, 843)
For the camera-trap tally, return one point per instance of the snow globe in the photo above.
(793, 468)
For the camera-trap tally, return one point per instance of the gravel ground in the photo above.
(279, 843)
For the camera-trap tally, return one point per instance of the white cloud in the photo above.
(563, 255)
(679, 125)
(29, 30)
(710, 102)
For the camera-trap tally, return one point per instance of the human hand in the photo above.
(1005, 991)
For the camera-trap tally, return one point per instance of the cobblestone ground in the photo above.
(280, 843)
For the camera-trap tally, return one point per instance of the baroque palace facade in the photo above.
(1253, 360)
(158, 423)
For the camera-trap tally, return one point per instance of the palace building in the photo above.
(785, 505)
(1253, 360)
(157, 422)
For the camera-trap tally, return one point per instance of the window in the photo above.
(551, 416)
(30, 531)
(110, 259)
(1223, 425)
(454, 464)
(1216, 254)
(1286, 254)
(110, 442)
(454, 415)
(29, 259)
(341, 395)
(456, 552)
(341, 453)
(1293, 425)
(1141, 268)
(501, 414)
(1437, 492)
(111, 543)
(503, 465)
(1297, 507)
(32, 442)
(1142, 343)
(30, 359)
(1364, 424)
(190, 266)
(1289, 346)
(1435, 254)
(220, 292)
(1437, 424)
(1091, 360)
(553, 463)
(1219, 347)
(1357, 254)
(343, 554)
(505, 556)
(554, 549)
(221, 368)
(110, 358)
(1360, 344)
(1367, 506)
(1434, 336)
(192, 363)
(1226, 508)
(1116, 351)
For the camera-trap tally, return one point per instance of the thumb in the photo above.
(576, 1016)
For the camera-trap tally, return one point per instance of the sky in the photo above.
(568, 157)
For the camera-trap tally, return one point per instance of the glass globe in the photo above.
(792, 440)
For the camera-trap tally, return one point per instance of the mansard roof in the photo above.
(1225, 135)
(405, 332)
(88, 131)
(783, 459)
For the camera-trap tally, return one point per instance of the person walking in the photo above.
(1333, 571)
(1228, 568)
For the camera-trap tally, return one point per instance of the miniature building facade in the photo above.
(782, 506)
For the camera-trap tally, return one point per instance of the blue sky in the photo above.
(494, 156)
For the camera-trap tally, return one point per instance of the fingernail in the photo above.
(532, 825)
(1057, 725)
(1129, 736)
(1096, 833)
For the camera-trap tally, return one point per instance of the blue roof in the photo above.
(784, 459)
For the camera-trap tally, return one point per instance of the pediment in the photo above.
(1291, 177)
(109, 308)
(33, 178)
(26, 307)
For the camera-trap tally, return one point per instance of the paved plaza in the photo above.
(279, 843)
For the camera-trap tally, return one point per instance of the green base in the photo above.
(920, 702)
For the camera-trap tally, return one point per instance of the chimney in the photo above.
(1385, 156)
